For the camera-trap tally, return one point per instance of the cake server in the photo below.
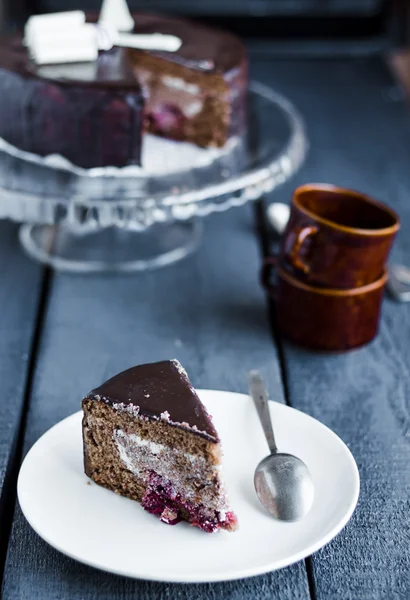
(282, 481)
(66, 37)
(107, 38)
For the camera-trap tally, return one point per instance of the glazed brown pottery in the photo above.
(322, 318)
(337, 238)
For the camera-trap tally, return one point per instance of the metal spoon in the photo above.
(398, 284)
(282, 481)
(278, 216)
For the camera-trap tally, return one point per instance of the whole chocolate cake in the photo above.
(147, 436)
(94, 114)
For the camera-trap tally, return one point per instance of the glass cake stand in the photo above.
(134, 218)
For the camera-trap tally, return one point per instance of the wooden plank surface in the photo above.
(207, 311)
(360, 137)
(20, 283)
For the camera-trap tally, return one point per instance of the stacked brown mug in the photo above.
(331, 270)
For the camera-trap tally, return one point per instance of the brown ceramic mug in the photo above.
(337, 238)
(323, 318)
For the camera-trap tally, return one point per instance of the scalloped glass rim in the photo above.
(140, 212)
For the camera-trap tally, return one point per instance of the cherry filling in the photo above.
(158, 503)
(167, 119)
(160, 499)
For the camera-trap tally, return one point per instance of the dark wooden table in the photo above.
(61, 335)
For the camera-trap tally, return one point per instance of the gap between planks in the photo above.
(9, 495)
(265, 242)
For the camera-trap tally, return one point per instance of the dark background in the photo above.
(295, 26)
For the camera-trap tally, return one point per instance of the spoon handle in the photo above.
(259, 395)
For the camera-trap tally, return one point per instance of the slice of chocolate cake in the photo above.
(147, 436)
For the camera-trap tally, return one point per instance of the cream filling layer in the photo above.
(141, 456)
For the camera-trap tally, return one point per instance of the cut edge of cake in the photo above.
(148, 437)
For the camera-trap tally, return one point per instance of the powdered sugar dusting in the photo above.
(179, 367)
(132, 409)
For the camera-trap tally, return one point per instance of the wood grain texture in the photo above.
(208, 312)
(360, 138)
(19, 294)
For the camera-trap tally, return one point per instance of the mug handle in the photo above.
(301, 235)
(270, 263)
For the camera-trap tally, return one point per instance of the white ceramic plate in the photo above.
(101, 529)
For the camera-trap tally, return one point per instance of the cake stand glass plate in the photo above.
(134, 218)
(101, 529)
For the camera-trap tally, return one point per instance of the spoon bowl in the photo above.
(284, 486)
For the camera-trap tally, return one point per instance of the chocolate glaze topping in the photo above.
(158, 390)
(204, 49)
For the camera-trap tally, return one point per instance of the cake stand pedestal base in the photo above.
(112, 249)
